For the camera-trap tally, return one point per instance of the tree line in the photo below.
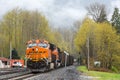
(101, 37)
(19, 26)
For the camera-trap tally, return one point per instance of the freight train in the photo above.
(42, 56)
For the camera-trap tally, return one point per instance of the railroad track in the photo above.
(64, 73)
(13, 72)
(21, 77)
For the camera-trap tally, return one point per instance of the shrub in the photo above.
(114, 69)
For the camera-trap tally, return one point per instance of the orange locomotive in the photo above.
(41, 55)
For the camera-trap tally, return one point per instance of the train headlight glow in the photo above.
(36, 49)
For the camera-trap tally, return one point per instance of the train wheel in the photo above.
(55, 65)
(48, 68)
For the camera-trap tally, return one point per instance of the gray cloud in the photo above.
(115, 3)
(60, 13)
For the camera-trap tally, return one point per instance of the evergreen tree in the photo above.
(116, 19)
(15, 54)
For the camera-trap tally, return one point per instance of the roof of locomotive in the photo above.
(37, 41)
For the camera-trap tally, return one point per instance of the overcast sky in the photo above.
(60, 13)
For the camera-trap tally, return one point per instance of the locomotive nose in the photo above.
(39, 50)
(35, 49)
(32, 49)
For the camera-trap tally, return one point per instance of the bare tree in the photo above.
(97, 12)
(77, 25)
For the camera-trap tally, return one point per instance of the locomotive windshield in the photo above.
(44, 45)
(32, 45)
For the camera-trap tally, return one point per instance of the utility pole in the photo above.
(10, 50)
(79, 58)
(25, 61)
(88, 62)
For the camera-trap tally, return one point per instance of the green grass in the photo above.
(102, 75)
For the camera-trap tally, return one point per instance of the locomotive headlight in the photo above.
(36, 49)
